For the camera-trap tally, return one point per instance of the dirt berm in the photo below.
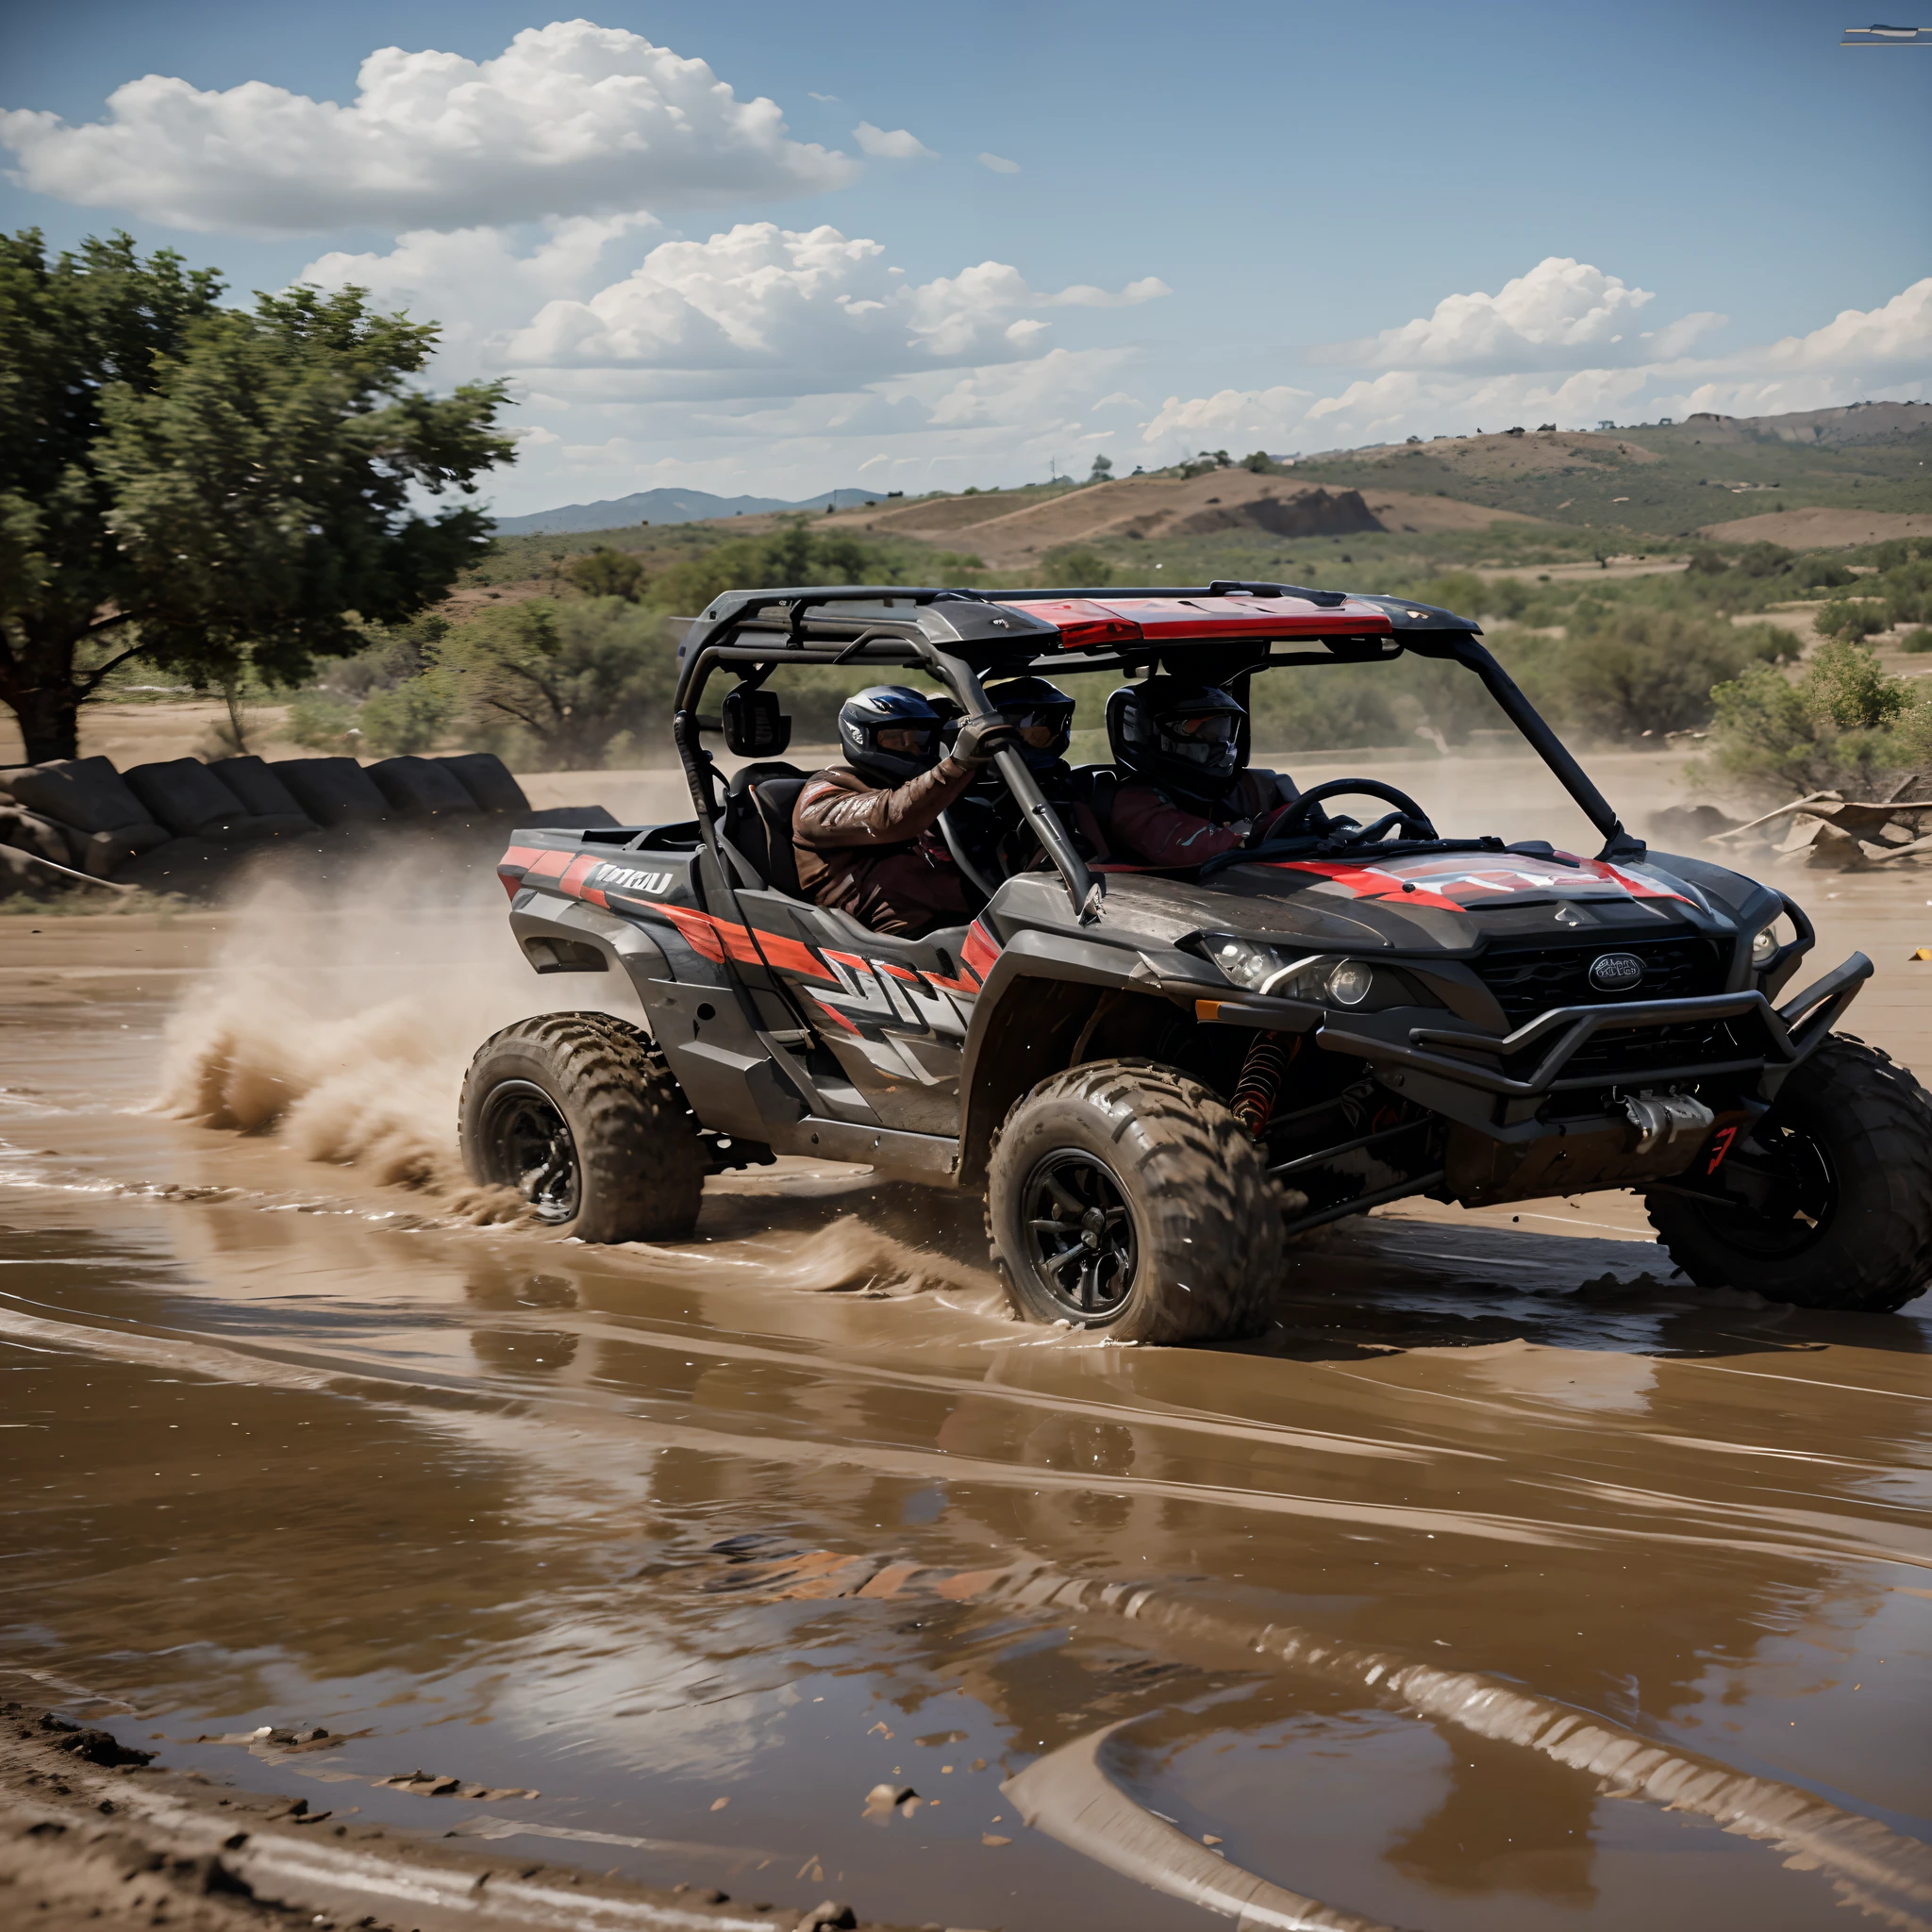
(93, 1835)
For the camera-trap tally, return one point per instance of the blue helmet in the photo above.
(888, 708)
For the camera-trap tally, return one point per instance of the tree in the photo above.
(1260, 461)
(1102, 471)
(210, 487)
(564, 681)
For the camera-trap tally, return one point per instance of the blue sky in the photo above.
(1286, 226)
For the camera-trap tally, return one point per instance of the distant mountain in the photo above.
(667, 506)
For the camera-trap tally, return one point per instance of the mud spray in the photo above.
(341, 1017)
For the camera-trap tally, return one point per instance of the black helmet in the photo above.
(888, 708)
(1031, 703)
(1186, 737)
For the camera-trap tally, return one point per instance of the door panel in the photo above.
(893, 1012)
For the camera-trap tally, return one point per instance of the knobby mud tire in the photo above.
(640, 1161)
(1206, 1218)
(1873, 1121)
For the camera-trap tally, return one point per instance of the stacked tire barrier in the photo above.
(181, 825)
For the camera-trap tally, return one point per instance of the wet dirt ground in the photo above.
(1508, 1582)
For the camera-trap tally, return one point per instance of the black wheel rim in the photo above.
(1079, 1235)
(1793, 1190)
(531, 1149)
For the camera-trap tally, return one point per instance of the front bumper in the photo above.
(1538, 1060)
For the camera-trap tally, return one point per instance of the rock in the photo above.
(830, 1913)
(104, 1748)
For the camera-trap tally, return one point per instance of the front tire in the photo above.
(1124, 1196)
(1831, 1194)
(579, 1114)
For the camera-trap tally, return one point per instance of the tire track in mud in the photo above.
(787, 1444)
(1873, 1869)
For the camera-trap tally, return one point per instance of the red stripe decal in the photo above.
(980, 949)
(699, 929)
(788, 955)
(548, 863)
(1366, 884)
(969, 987)
(832, 1012)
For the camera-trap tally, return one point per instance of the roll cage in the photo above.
(1223, 632)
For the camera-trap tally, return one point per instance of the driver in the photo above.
(1186, 795)
(865, 830)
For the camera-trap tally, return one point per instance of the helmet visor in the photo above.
(918, 741)
(1208, 740)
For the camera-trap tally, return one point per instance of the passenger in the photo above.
(1185, 795)
(1043, 715)
(865, 831)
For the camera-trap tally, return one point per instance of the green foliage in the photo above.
(795, 554)
(1850, 620)
(607, 573)
(222, 488)
(554, 685)
(1842, 723)
(1918, 642)
(1260, 461)
(1075, 565)
(1820, 574)
(1102, 471)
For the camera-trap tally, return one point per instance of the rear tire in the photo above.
(1124, 1196)
(579, 1114)
(1842, 1214)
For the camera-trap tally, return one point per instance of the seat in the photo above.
(757, 821)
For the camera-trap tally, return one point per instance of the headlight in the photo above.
(1350, 983)
(1764, 944)
(1250, 964)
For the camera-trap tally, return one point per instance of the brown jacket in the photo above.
(875, 853)
(1148, 827)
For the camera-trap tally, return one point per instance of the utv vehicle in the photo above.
(1160, 1076)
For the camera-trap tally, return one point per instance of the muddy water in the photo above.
(1408, 1581)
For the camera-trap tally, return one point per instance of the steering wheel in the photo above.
(1408, 817)
(957, 846)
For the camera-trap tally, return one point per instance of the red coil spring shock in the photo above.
(1262, 1073)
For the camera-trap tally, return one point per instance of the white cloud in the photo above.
(569, 118)
(824, 307)
(1563, 315)
(1548, 350)
(895, 145)
(999, 164)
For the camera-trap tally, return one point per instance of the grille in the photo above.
(1529, 980)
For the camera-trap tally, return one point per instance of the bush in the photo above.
(1820, 574)
(323, 721)
(1917, 641)
(1849, 621)
(1626, 672)
(1074, 564)
(1843, 723)
(793, 555)
(607, 573)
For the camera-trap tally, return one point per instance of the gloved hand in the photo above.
(980, 738)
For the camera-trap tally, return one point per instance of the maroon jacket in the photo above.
(1149, 828)
(875, 853)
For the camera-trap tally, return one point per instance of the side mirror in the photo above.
(754, 726)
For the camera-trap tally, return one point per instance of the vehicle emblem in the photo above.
(1615, 972)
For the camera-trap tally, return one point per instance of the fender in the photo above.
(1038, 992)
